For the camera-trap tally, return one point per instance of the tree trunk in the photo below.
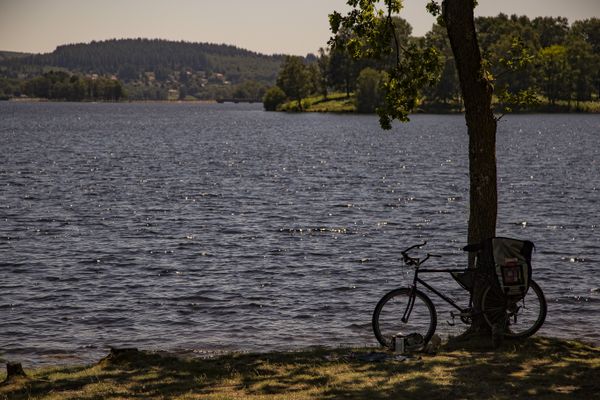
(481, 124)
(348, 90)
(14, 370)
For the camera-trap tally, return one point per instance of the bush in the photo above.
(273, 98)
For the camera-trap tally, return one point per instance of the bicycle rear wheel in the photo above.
(388, 314)
(524, 317)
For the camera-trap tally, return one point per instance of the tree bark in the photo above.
(481, 126)
(481, 123)
(14, 370)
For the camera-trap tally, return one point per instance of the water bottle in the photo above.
(398, 343)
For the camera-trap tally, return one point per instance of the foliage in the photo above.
(58, 85)
(583, 68)
(134, 57)
(447, 89)
(516, 49)
(551, 31)
(374, 34)
(543, 55)
(367, 32)
(249, 91)
(5, 55)
(335, 102)
(589, 31)
(342, 69)
(322, 83)
(144, 92)
(420, 67)
(554, 71)
(150, 68)
(295, 79)
(536, 368)
(273, 98)
(9, 87)
(369, 88)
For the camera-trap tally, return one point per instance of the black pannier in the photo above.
(509, 261)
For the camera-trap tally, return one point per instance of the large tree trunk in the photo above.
(481, 123)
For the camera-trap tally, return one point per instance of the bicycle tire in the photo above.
(524, 317)
(390, 309)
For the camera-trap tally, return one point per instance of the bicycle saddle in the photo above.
(473, 247)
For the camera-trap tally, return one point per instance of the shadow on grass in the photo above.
(535, 368)
(541, 368)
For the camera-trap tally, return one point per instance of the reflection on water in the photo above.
(219, 227)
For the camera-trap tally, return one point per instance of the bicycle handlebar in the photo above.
(408, 260)
(412, 247)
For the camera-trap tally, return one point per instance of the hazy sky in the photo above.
(266, 26)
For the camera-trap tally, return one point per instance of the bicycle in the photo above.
(409, 310)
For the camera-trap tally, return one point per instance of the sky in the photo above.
(267, 26)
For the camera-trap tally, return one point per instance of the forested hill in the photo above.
(5, 55)
(129, 59)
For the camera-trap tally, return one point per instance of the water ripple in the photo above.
(222, 227)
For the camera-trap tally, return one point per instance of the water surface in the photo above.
(188, 227)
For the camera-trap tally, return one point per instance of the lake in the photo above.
(201, 228)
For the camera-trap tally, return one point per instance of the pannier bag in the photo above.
(509, 260)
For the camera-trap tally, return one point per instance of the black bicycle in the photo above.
(409, 310)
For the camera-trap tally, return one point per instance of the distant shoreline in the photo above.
(340, 103)
(43, 100)
(322, 108)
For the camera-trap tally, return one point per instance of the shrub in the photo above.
(273, 98)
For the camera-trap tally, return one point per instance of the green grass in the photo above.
(538, 368)
(334, 102)
(340, 103)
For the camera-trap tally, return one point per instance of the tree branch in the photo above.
(390, 22)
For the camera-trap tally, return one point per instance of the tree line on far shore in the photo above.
(545, 59)
(147, 69)
(60, 85)
(559, 64)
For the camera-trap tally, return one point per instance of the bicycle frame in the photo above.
(437, 293)
(417, 280)
(416, 262)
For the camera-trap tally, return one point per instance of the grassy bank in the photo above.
(538, 368)
(339, 102)
(334, 102)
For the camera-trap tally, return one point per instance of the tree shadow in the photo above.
(541, 368)
(536, 367)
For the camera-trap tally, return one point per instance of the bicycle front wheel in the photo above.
(523, 318)
(389, 313)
